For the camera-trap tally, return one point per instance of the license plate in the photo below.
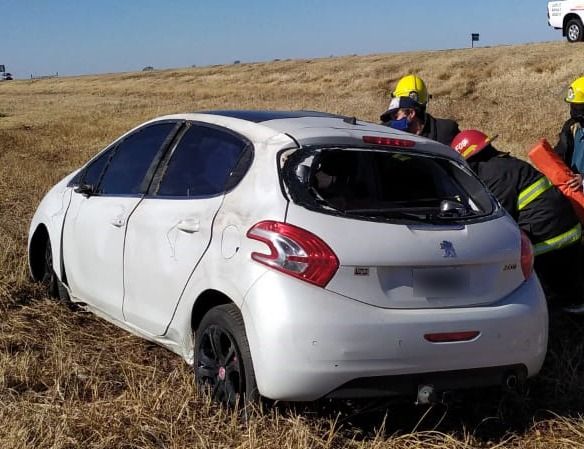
(440, 282)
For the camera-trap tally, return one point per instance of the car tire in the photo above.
(55, 287)
(574, 31)
(223, 365)
(49, 278)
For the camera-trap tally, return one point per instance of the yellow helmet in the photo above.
(576, 92)
(412, 86)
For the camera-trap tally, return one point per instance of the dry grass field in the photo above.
(70, 380)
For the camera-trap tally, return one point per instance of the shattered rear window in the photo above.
(385, 185)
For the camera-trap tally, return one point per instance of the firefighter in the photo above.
(570, 145)
(407, 112)
(541, 211)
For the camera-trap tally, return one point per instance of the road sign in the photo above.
(474, 38)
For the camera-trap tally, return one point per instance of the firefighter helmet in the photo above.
(412, 86)
(576, 92)
(470, 142)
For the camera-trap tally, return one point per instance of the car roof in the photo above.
(259, 116)
(309, 128)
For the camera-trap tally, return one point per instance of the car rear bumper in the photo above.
(307, 342)
(510, 377)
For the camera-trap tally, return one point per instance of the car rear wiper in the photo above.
(327, 204)
(393, 213)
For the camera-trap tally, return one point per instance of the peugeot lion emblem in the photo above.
(448, 249)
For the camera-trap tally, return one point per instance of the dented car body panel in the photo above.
(141, 250)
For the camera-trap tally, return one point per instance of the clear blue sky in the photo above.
(73, 37)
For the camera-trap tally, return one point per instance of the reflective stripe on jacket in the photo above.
(530, 193)
(541, 211)
(561, 241)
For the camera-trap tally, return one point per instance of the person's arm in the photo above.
(565, 143)
(564, 148)
(501, 180)
(507, 195)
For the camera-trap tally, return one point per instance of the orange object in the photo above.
(553, 167)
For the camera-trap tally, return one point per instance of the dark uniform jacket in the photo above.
(440, 129)
(565, 145)
(548, 216)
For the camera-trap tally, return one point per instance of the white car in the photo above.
(297, 255)
(567, 15)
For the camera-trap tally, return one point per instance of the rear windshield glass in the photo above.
(385, 185)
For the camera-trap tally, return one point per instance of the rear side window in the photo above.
(385, 185)
(126, 172)
(203, 163)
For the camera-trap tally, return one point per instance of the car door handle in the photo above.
(189, 226)
(118, 222)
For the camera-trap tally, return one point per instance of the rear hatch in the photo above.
(410, 229)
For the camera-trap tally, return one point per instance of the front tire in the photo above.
(223, 364)
(49, 278)
(574, 31)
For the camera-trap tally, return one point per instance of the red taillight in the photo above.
(526, 256)
(295, 252)
(389, 142)
(451, 337)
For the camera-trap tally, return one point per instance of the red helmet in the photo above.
(470, 142)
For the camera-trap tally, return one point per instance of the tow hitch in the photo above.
(426, 395)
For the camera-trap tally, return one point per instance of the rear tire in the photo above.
(223, 364)
(574, 31)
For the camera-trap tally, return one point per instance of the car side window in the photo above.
(202, 163)
(92, 174)
(125, 174)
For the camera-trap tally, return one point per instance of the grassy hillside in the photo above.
(70, 380)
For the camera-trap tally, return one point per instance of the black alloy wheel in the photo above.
(222, 358)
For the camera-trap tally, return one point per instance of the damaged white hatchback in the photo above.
(297, 255)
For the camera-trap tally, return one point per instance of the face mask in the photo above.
(401, 124)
